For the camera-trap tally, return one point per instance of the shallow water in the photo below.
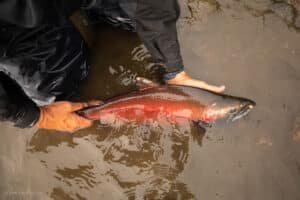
(242, 44)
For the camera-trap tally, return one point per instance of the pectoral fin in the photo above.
(202, 124)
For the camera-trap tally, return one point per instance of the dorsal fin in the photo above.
(143, 83)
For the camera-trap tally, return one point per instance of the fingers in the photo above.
(82, 122)
(77, 106)
(65, 106)
(75, 122)
(80, 105)
(95, 103)
(60, 116)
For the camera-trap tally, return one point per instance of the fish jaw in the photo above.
(231, 111)
(245, 108)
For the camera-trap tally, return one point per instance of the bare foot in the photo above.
(184, 79)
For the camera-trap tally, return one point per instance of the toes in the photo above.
(213, 88)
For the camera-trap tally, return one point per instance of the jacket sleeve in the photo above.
(15, 106)
(156, 26)
(31, 13)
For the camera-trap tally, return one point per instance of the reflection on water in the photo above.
(142, 162)
(118, 57)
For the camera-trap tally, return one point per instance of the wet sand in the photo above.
(251, 47)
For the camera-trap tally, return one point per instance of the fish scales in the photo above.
(173, 101)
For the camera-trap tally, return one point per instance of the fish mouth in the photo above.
(242, 112)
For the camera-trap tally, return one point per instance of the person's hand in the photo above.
(184, 79)
(61, 116)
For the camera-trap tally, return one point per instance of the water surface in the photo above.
(253, 47)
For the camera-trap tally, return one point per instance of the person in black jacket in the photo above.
(37, 40)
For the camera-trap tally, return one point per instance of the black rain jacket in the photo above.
(155, 23)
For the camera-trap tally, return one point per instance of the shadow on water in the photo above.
(139, 160)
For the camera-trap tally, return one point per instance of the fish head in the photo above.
(240, 109)
(229, 108)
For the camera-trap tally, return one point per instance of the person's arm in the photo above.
(16, 107)
(156, 26)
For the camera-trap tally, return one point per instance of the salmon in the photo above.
(173, 101)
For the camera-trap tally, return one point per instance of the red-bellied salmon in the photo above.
(174, 101)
